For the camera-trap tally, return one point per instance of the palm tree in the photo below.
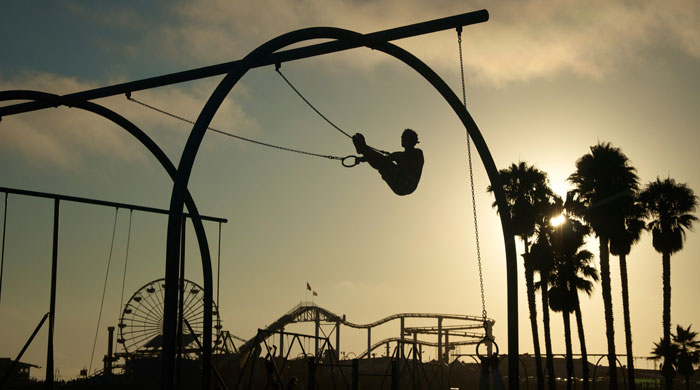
(689, 352)
(592, 274)
(561, 300)
(589, 272)
(621, 243)
(572, 272)
(526, 188)
(667, 352)
(669, 206)
(603, 182)
(542, 258)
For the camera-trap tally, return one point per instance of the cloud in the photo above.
(522, 40)
(69, 139)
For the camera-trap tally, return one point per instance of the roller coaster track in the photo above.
(418, 342)
(307, 312)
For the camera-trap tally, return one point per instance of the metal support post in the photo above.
(415, 347)
(181, 308)
(447, 346)
(337, 340)
(415, 377)
(110, 356)
(369, 343)
(317, 327)
(281, 342)
(26, 345)
(52, 305)
(439, 352)
(401, 355)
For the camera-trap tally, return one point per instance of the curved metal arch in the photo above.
(595, 368)
(172, 172)
(214, 102)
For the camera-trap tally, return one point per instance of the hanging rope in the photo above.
(126, 262)
(104, 288)
(2, 256)
(471, 181)
(308, 103)
(347, 161)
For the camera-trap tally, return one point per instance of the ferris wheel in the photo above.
(141, 322)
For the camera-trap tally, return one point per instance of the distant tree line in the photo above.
(607, 202)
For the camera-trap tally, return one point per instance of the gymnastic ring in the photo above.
(481, 342)
(354, 161)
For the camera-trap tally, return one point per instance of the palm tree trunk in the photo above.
(607, 303)
(581, 339)
(569, 351)
(530, 286)
(628, 325)
(666, 274)
(547, 336)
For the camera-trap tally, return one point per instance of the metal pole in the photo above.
(52, 305)
(181, 316)
(337, 340)
(281, 354)
(98, 202)
(109, 357)
(26, 345)
(218, 282)
(439, 353)
(447, 346)
(317, 327)
(4, 228)
(270, 59)
(401, 355)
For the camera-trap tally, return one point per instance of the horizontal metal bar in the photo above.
(98, 202)
(283, 56)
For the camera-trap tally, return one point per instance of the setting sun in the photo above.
(558, 220)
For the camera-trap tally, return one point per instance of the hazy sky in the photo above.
(545, 81)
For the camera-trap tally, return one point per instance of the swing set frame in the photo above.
(269, 54)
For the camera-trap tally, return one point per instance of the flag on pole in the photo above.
(314, 294)
(308, 286)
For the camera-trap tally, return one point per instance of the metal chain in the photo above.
(166, 113)
(471, 181)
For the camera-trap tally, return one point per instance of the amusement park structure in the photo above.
(269, 53)
(310, 312)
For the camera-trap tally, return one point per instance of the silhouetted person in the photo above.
(400, 170)
(293, 383)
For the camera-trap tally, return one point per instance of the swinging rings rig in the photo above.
(269, 53)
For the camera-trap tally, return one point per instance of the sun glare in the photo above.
(558, 220)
